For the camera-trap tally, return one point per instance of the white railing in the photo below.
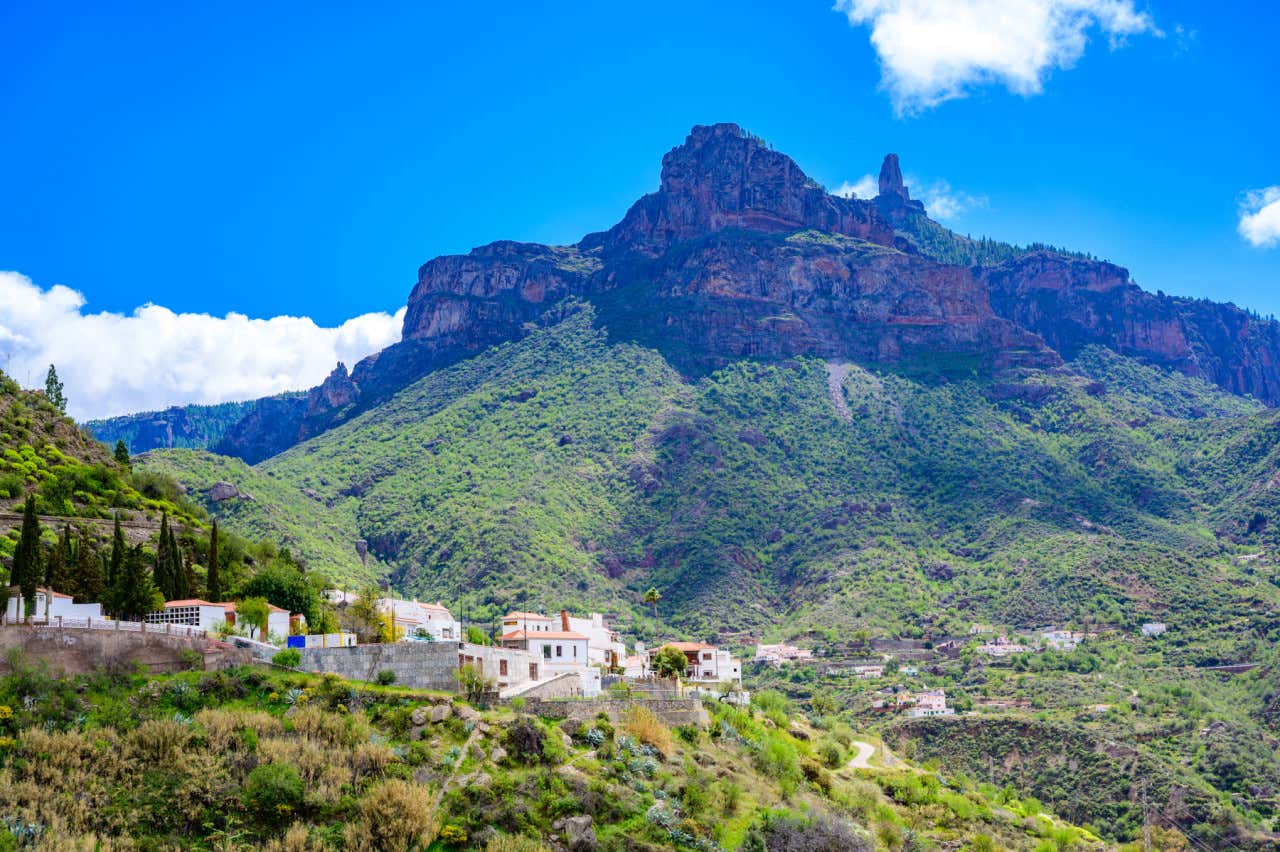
(65, 623)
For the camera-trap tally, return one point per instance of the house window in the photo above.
(559, 650)
(546, 652)
(502, 668)
(575, 650)
(706, 655)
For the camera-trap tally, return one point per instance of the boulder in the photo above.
(420, 716)
(439, 713)
(223, 491)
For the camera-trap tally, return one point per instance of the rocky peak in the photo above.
(723, 177)
(337, 392)
(891, 178)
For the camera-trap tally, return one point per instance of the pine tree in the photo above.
(88, 571)
(53, 389)
(122, 454)
(135, 592)
(26, 558)
(213, 577)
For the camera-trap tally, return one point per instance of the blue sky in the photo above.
(305, 159)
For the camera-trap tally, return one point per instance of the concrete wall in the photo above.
(671, 711)
(421, 665)
(77, 651)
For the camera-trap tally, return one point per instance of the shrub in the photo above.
(525, 741)
(386, 677)
(273, 792)
(393, 815)
(641, 723)
(818, 835)
(290, 658)
(515, 843)
(830, 753)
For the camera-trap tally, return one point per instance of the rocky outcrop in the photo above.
(1073, 303)
(326, 402)
(723, 178)
(271, 427)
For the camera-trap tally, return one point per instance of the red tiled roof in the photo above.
(689, 646)
(525, 615)
(517, 635)
(191, 602)
(231, 605)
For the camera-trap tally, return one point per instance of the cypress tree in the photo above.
(115, 567)
(26, 559)
(122, 454)
(88, 571)
(213, 578)
(163, 572)
(178, 569)
(53, 389)
(135, 592)
(58, 574)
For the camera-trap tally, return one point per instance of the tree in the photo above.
(476, 635)
(165, 572)
(122, 454)
(253, 613)
(57, 568)
(114, 568)
(179, 569)
(670, 662)
(87, 573)
(283, 585)
(135, 593)
(26, 558)
(53, 389)
(212, 579)
(651, 597)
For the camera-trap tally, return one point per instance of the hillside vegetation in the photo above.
(248, 759)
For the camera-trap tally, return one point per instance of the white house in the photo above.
(776, 655)
(530, 622)
(1153, 628)
(422, 620)
(707, 665)
(604, 647)
(929, 704)
(1002, 647)
(49, 606)
(506, 667)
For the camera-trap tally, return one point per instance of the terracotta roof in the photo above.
(191, 602)
(689, 646)
(231, 605)
(525, 615)
(542, 634)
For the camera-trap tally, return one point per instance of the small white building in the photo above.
(1002, 647)
(776, 655)
(867, 672)
(1153, 628)
(506, 667)
(49, 606)
(929, 704)
(530, 622)
(191, 612)
(323, 640)
(431, 621)
(707, 665)
(604, 646)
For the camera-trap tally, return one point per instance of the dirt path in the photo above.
(860, 760)
(836, 374)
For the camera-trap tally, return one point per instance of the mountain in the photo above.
(785, 411)
(176, 426)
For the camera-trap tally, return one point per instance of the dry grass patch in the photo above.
(640, 722)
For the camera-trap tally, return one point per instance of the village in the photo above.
(533, 655)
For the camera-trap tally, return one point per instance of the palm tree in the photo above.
(652, 597)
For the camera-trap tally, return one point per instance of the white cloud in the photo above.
(943, 202)
(1260, 217)
(864, 187)
(935, 50)
(939, 199)
(116, 364)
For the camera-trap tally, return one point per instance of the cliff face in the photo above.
(738, 254)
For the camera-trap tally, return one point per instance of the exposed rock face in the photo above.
(723, 178)
(739, 254)
(271, 427)
(324, 403)
(223, 491)
(1073, 303)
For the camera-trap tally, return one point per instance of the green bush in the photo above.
(290, 658)
(273, 792)
(386, 677)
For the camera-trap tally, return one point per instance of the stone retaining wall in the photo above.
(670, 711)
(420, 665)
(75, 651)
